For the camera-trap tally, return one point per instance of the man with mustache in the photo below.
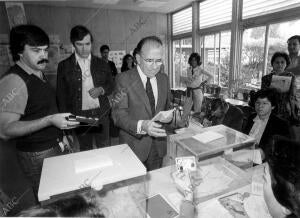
(29, 112)
(83, 83)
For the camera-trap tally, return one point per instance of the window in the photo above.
(181, 52)
(182, 21)
(279, 33)
(252, 58)
(216, 51)
(215, 12)
(253, 8)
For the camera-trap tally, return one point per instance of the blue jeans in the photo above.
(32, 162)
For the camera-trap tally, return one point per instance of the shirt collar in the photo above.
(257, 119)
(28, 69)
(143, 76)
(79, 59)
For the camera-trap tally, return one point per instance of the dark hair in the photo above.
(104, 47)
(294, 37)
(284, 161)
(216, 103)
(281, 54)
(76, 206)
(26, 35)
(124, 62)
(134, 52)
(145, 40)
(197, 57)
(269, 93)
(78, 33)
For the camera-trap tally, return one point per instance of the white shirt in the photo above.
(258, 128)
(87, 83)
(153, 82)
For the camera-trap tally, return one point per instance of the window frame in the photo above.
(261, 20)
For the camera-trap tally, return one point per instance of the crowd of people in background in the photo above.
(90, 86)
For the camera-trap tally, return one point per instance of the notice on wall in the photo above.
(15, 13)
(54, 39)
(117, 57)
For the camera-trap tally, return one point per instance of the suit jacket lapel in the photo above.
(76, 72)
(137, 85)
(92, 69)
(160, 88)
(265, 136)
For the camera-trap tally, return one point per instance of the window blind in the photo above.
(215, 12)
(182, 21)
(254, 8)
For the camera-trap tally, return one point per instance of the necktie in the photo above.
(192, 71)
(151, 98)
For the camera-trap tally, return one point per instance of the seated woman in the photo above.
(287, 107)
(282, 178)
(127, 63)
(196, 78)
(263, 124)
(224, 113)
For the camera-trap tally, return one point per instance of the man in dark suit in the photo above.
(264, 123)
(83, 83)
(146, 93)
(104, 50)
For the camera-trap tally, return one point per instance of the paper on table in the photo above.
(212, 209)
(207, 136)
(92, 163)
(175, 198)
(164, 116)
(255, 206)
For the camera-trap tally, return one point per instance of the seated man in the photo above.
(224, 113)
(264, 123)
(282, 178)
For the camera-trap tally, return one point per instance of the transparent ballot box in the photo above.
(205, 143)
(218, 177)
(107, 170)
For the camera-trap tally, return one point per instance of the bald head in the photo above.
(149, 55)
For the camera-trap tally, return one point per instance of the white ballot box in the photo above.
(93, 168)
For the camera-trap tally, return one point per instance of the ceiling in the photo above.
(159, 6)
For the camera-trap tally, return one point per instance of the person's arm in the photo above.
(293, 97)
(108, 85)
(12, 127)
(265, 81)
(197, 81)
(187, 207)
(114, 69)
(207, 74)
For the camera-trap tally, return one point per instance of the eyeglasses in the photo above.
(152, 61)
